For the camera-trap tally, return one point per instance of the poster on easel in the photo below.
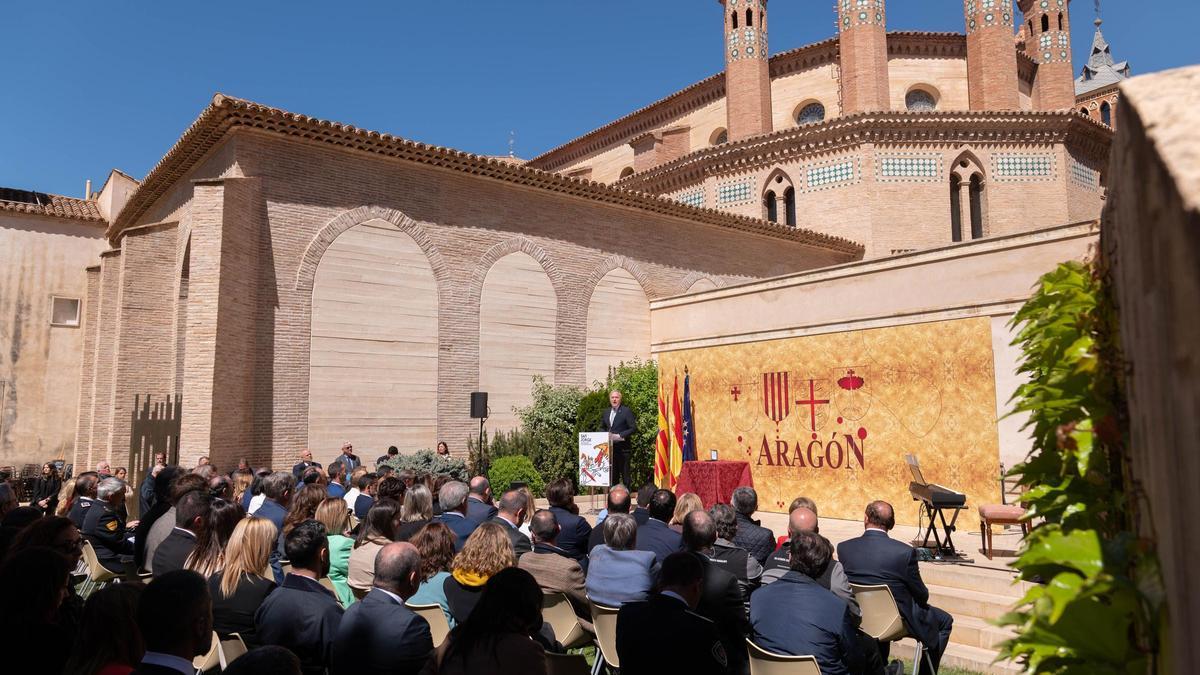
(595, 459)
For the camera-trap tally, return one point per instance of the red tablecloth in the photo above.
(713, 481)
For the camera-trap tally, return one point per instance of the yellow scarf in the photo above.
(469, 578)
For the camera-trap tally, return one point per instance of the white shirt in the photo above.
(256, 501)
(612, 416)
(351, 495)
(169, 661)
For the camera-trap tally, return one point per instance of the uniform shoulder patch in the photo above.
(111, 526)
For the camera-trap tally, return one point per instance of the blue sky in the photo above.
(95, 85)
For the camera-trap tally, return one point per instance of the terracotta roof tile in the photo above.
(42, 204)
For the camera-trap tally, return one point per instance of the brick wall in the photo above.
(87, 377)
(109, 322)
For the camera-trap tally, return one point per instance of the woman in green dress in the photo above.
(333, 514)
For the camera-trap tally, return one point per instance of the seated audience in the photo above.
(439, 482)
(240, 588)
(242, 480)
(435, 543)
(269, 660)
(277, 490)
(337, 480)
(655, 535)
(645, 495)
(302, 615)
(105, 529)
(164, 526)
(60, 535)
(479, 500)
(669, 618)
(804, 519)
(511, 515)
(366, 494)
(751, 535)
(380, 635)
(377, 531)
(618, 573)
(191, 514)
(500, 637)
(875, 558)
(685, 504)
(619, 501)
(220, 487)
(729, 556)
(84, 497)
(255, 499)
(208, 555)
(303, 507)
(333, 515)
(35, 582)
(109, 640)
(453, 498)
(554, 570)
(416, 513)
(66, 498)
(574, 530)
(488, 551)
(391, 487)
(721, 598)
(352, 494)
(175, 616)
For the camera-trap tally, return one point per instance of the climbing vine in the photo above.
(1097, 605)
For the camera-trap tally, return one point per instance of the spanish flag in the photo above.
(662, 449)
(676, 433)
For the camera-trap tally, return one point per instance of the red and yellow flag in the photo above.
(676, 464)
(662, 450)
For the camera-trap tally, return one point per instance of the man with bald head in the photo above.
(721, 598)
(553, 568)
(804, 519)
(875, 558)
(513, 508)
(380, 634)
(619, 501)
(479, 500)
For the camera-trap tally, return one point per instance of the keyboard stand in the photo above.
(936, 513)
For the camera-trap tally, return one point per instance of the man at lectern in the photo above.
(620, 424)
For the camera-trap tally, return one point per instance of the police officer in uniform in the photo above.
(104, 527)
(84, 496)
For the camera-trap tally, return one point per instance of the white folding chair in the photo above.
(881, 619)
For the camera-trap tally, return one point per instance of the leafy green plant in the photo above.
(502, 444)
(428, 461)
(550, 420)
(1098, 606)
(504, 470)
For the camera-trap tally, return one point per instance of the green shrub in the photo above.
(592, 409)
(428, 461)
(504, 470)
(503, 444)
(550, 420)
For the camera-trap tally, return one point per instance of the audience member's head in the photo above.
(442, 448)
(220, 487)
(803, 502)
(620, 532)
(392, 451)
(683, 574)
(66, 498)
(205, 471)
(111, 490)
(619, 499)
(809, 554)
(745, 500)
(336, 471)
(453, 497)
(103, 468)
(513, 507)
(418, 504)
(208, 556)
(381, 522)
(242, 480)
(203, 461)
(175, 615)
(725, 520)
(544, 527)
(435, 543)
(164, 481)
(307, 547)
(363, 479)
(108, 631)
(306, 455)
(53, 532)
(802, 520)
(191, 511)
(333, 514)
(35, 584)
(481, 488)
(85, 484)
(560, 493)
(688, 502)
(184, 483)
(662, 505)
(645, 494)
(390, 488)
(304, 506)
(398, 569)
(19, 517)
(699, 531)
(511, 603)
(880, 516)
(269, 660)
(407, 476)
(248, 553)
(122, 473)
(313, 475)
(278, 487)
(487, 551)
(384, 471)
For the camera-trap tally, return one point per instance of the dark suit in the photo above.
(460, 525)
(722, 602)
(79, 510)
(796, 616)
(235, 614)
(105, 529)
(755, 538)
(349, 462)
(362, 504)
(173, 552)
(624, 424)
(379, 635)
(146, 497)
(521, 544)
(153, 669)
(479, 511)
(276, 513)
(641, 515)
(300, 467)
(875, 558)
(656, 537)
(661, 635)
(573, 535)
(302, 616)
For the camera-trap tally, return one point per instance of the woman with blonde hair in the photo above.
(333, 515)
(66, 498)
(239, 590)
(417, 511)
(688, 502)
(487, 551)
(242, 480)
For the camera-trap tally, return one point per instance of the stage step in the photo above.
(961, 602)
(962, 656)
(999, 582)
(972, 631)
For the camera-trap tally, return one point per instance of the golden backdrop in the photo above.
(832, 416)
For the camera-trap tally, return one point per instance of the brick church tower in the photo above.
(747, 73)
(862, 46)
(991, 59)
(1048, 43)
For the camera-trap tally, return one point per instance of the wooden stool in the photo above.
(1000, 514)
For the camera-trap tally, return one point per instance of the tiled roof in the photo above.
(226, 114)
(1100, 71)
(42, 204)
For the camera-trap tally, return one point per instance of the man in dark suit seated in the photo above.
(618, 502)
(380, 635)
(655, 535)
(575, 530)
(104, 527)
(191, 513)
(621, 424)
(875, 558)
(513, 508)
(721, 597)
(664, 634)
(453, 499)
(175, 617)
(644, 496)
(554, 570)
(804, 519)
(752, 536)
(797, 616)
(303, 465)
(302, 615)
(479, 501)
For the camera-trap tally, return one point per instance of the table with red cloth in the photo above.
(713, 481)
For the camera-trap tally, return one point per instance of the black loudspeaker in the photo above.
(479, 405)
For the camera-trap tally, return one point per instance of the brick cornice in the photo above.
(226, 114)
(910, 128)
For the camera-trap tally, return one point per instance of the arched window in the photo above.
(1106, 113)
(719, 137)
(919, 100)
(772, 206)
(976, 206)
(811, 114)
(735, 19)
(749, 18)
(1045, 22)
(1083, 111)
(1060, 23)
(627, 172)
(1031, 26)
(955, 208)
(789, 206)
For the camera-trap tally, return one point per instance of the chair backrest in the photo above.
(604, 620)
(211, 659)
(560, 614)
(566, 664)
(230, 649)
(439, 627)
(763, 662)
(880, 617)
(96, 572)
